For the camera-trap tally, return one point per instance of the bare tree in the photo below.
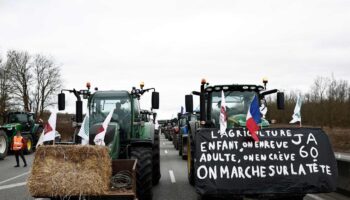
(19, 68)
(48, 82)
(319, 89)
(5, 90)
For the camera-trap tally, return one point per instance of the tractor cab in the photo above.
(237, 102)
(25, 120)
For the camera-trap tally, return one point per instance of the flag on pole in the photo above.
(253, 119)
(263, 110)
(100, 136)
(297, 116)
(84, 130)
(223, 115)
(49, 131)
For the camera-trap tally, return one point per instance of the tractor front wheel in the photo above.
(156, 160)
(143, 172)
(29, 144)
(180, 144)
(4, 145)
(190, 161)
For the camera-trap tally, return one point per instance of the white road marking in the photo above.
(14, 178)
(166, 151)
(172, 177)
(163, 143)
(315, 197)
(4, 187)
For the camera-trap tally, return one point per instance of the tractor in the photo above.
(127, 135)
(19, 121)
(209, 171)
(184, 121)
(149, 118)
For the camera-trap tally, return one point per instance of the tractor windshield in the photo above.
(17, 118)
(237, 103)
(102, 103)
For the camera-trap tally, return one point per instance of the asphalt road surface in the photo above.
(172, 186)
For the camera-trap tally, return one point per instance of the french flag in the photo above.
(253, 119)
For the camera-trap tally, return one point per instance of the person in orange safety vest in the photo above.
(17, 148)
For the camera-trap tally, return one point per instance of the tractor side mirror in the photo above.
(79, 111)
(280, 100)
(189, 103)
(61, 101)
(155, 100)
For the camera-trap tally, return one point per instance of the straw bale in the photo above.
(70, 170)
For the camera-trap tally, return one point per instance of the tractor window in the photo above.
(237, 103)
(18, 118)
(136, 108)
(183, 122)
(194, 118)
(31, 118)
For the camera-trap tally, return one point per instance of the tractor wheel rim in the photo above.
(2, 144)
(29, 145)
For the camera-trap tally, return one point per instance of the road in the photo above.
(172, 186)
(13, 180)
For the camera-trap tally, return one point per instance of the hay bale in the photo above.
(62, 170)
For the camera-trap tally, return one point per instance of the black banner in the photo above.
(295, 160)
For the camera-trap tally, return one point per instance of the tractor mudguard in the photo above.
(292, 161)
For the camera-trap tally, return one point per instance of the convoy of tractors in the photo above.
(132, 135)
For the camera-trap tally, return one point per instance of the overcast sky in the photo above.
(171, 45)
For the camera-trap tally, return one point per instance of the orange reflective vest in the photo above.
(17, 143)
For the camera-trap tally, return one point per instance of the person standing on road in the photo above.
(17, 147)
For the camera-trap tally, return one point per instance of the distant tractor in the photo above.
(129, 135)
(184, 121)
(19, 121)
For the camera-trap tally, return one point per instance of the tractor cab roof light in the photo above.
(217, 88)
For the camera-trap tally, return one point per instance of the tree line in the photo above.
(28, 82)
(327, 103)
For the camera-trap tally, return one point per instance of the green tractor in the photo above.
(127, 135)
(149, 119)
(204, 133)
(24, 122)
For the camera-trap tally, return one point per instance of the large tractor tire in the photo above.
(143, 172)
(4, 145)
(175, 140)
(184, 148)
(28, 147)
(156, 160)
(170, 136)
(180, 144)
(190, 161)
